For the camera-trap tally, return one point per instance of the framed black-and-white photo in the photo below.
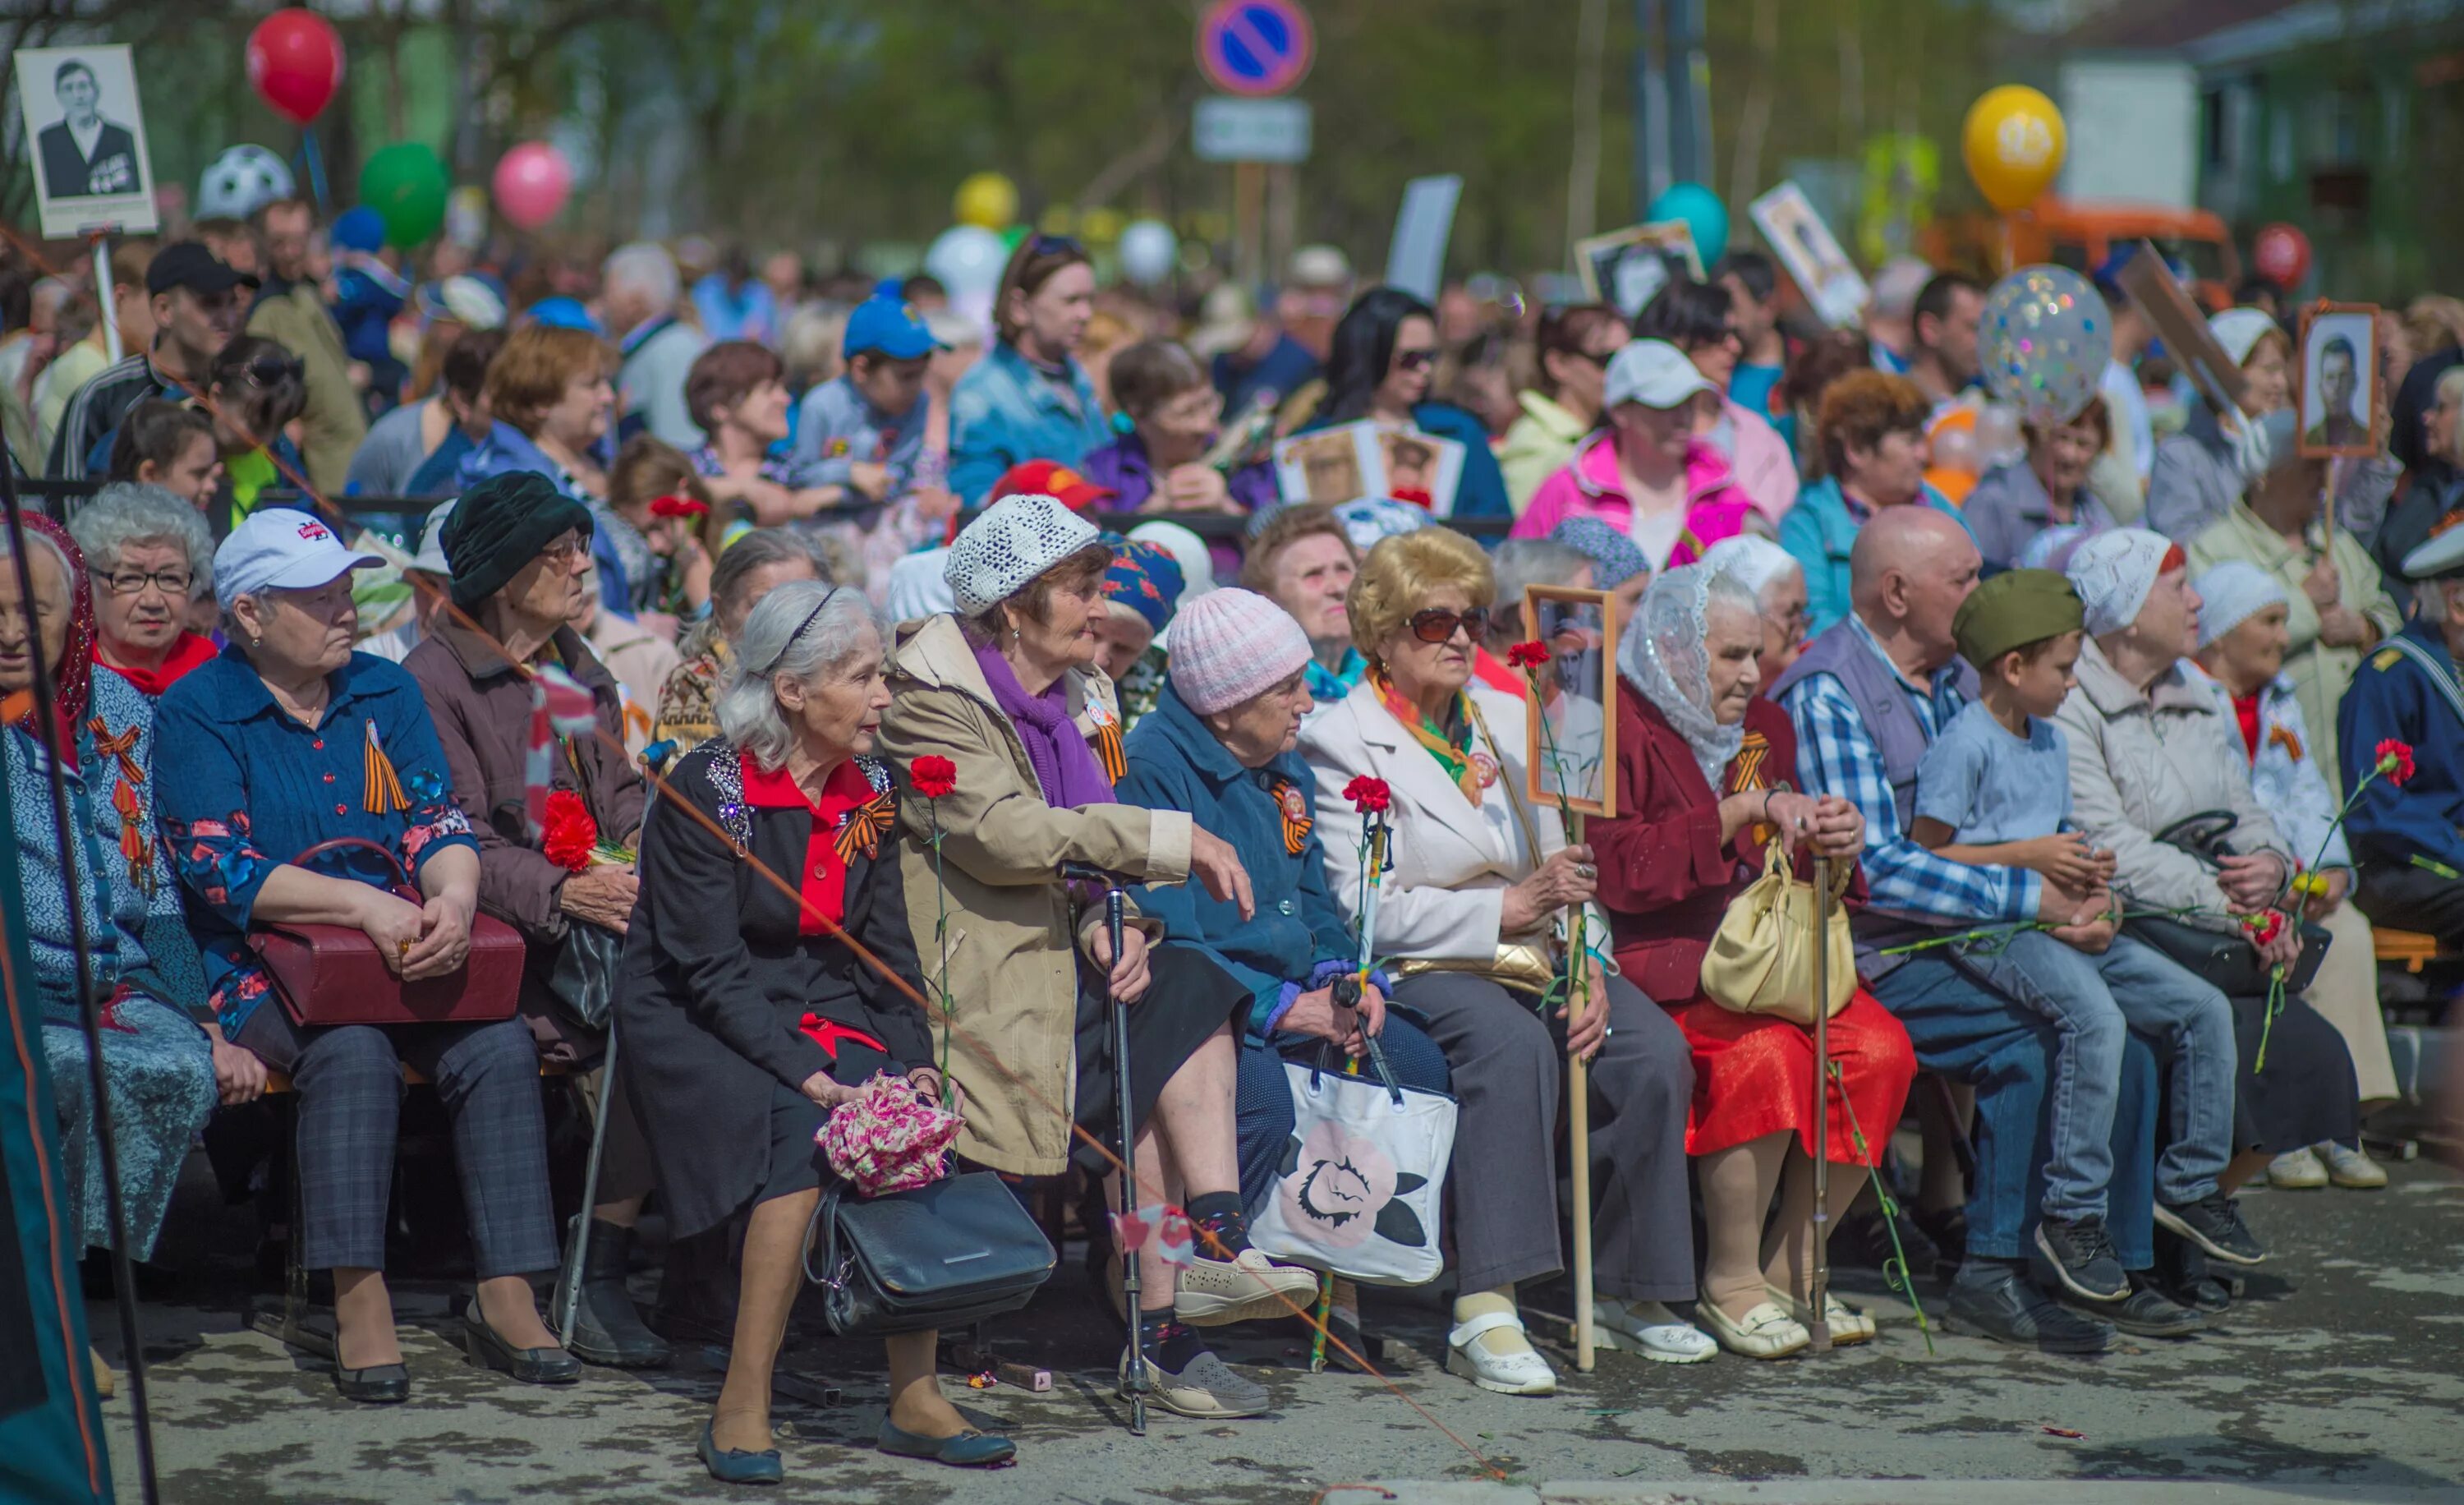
(1420, 468)
(1344, 463)
(1569, 720)
(1629, 267)
(1796, 233)
(2340, 376)
(80, 113)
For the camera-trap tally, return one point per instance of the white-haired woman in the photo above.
(1777, 584)
(152, 561)
(725, 974)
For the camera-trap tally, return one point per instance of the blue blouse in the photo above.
(243, 788)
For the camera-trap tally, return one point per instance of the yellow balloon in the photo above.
(2014, 142)
(987, 199)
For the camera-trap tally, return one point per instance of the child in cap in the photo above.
(1994, 789)
(864, 429)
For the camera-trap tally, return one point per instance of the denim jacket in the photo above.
(1004, 412)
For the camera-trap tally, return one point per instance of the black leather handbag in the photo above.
(956, 1252)
(2225, 959)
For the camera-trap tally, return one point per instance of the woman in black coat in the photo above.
(747, 1018)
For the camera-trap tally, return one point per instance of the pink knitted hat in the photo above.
(1231, 646)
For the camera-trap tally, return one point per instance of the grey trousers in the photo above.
(1509, 1067)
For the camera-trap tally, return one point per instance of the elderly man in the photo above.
(2405, 835)
(1302, 561)
(1867, 697)
(640, 289)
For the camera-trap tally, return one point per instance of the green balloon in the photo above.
(1011, 236)
(406, 185)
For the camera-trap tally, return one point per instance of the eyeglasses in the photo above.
(1439, 626)
(173, 583)
(1416, 360)
(566, 549)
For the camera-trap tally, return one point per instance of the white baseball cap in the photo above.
(1654, 373)
(432, 541)
(281, 548)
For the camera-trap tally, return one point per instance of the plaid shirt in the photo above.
(1835, 754)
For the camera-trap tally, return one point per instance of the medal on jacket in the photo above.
(1483, 768)
(1297, 823)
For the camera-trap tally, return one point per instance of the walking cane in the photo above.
(568, 1292)
(1820, 1292)
(1578, 1093)
(1139, 1384)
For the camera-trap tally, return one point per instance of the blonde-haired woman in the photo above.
(1480, 877)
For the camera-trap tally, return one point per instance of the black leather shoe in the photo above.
(2144, 1313)
(378, 1385)
(606, 1330)
(529, 1366)
(1994, 1301)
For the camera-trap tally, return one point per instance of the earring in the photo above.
(1014, 636)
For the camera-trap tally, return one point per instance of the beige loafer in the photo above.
(1764, 1332)
(1848, 1325)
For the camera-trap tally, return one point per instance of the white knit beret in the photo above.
(1233, 645)
(2113, 573)
(2231, 594)
(1017, 539)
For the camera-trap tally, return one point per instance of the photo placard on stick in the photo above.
(1420, 468)
(1796, 233)
(2340, 381)
(1629, 267)
(2183, 328)
(1570, 724)
(79, 109)
(1344, 463)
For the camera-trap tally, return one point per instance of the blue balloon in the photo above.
(1702, 211)
(359, 228)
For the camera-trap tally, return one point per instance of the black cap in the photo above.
(188, 264)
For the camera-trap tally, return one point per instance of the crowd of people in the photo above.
(2117, 737)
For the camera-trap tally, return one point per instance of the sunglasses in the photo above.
(1044, 244)
(1440, 626)
(1416, 360)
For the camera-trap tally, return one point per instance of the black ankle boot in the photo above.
(606, 1330)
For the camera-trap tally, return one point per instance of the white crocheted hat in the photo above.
(1016, 538)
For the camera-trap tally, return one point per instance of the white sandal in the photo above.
(1848, 1325)
(1525, 1373)
(1766, 1331)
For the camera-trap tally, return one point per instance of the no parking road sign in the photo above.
(1255, 48)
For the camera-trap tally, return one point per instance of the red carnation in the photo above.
(572, 836)
(1367, 795)
(1528, 655)
(2264, 926)
(932, 776)
(2395, 761)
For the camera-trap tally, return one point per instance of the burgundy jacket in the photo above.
(1665, 877)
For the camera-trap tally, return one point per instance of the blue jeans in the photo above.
(1964, 1030)
(2094, 1004)
(1262, 1119)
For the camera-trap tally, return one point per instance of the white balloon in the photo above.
(1148, 249)
(968, 259)
(243, 179)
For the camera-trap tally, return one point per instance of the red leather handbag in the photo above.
(335, 975)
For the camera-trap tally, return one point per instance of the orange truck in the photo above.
(2080, 234)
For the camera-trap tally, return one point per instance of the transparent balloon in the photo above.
(2044, 341)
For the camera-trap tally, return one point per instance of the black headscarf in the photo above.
(501, 525)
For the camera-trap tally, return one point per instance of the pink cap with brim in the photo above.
(281, 548)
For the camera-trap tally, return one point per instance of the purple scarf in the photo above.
(1064, 765)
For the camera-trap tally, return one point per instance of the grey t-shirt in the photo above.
(1990, 786)
(390, 456)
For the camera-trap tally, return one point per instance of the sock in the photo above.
(1498, 1342)
(1219, 1212)
(1168, 1345)
(1346, 1307)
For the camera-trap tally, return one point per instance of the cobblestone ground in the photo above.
(2338, 1378)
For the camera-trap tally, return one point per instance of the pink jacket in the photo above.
(1765, 467)
(1717, 506)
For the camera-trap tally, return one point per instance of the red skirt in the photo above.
(1754, 1074)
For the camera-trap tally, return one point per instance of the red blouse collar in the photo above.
(776, 791)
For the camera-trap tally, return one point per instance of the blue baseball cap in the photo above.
(563, 313)
(888, 324)
(359, 228)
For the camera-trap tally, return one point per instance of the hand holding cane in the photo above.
(1114, 926)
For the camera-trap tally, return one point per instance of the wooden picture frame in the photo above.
(1629, 267)
(1573, 766)
(1796, 233)
(91, 171)
(2337, 382)
(2183, 328)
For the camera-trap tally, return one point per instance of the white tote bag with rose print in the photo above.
(1362, 1178)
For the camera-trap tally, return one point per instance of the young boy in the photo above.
(864, 430)
(1995, 790)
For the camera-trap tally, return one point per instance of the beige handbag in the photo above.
(1761, 960)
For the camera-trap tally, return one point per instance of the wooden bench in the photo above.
(2407, 948)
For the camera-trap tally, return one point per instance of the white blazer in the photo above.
(1452, 860)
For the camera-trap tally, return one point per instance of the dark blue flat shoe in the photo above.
(728, 1465)
(969, 1449)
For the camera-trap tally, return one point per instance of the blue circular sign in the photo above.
(1255, 47)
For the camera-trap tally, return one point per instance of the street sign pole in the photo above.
(1248, 222)
(1254, 51)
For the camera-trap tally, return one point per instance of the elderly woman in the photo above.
(2338, 607)
(1649, 472)
(1617, 566)
(1174, 412)
(2150, 747)
(1007, 691)
(551, 394)
(152, 561)
(1141, 589)
(1572, 347)
(1219, 744)
(1701, 790)
(1872, 433)
(725, 974)
(1771, 575)
(518, 550)
(287, 719)
(750, 570)
(1473, 902)
(157, 1068)
(2242, 635)
(2200, 470)
(2046, 488)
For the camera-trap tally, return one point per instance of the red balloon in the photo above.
(2282, 254)
(294, 63)
(532, 183)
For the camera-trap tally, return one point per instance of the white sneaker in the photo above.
(2297, 1170)
(1525, 1373)
(1650, 1331)
(1242, 1288)
(2351, 1167)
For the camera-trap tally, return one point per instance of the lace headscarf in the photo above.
(1662, 655)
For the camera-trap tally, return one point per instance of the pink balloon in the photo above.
(532, 183)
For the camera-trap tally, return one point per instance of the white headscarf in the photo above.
(1753, 559)
(2232, 593)
(2113, 573)
(1663, 657)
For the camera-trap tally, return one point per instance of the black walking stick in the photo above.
(1115, 900)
